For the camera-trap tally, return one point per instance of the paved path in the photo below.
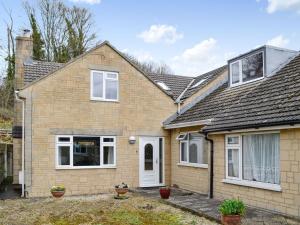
(201, 205)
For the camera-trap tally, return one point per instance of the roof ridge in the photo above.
(169, 74)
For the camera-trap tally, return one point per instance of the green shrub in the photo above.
(58, 188)
(232, 207)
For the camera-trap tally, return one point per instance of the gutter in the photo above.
(187, 124)
(211, 170)
(18, 98)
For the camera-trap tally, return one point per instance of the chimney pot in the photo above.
(26, 33)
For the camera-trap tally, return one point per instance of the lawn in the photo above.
(96, 210)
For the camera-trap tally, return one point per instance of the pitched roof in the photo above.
(201, 80)
(176, 84)
(272, 101)
(34, 69)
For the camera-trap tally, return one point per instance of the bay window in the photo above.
(104, 85)
(253, 159)
(85, 151)
(192, 149)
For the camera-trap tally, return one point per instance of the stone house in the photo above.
(99, 120)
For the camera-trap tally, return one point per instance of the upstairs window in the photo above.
(247, 69)
(104, 85)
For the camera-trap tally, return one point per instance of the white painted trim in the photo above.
(104, 78)
(187, 124)
(196, 165)
(262, 129)
(70, 144)
(260, 185)
(241, 69)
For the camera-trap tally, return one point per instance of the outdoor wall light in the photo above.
(132, 140)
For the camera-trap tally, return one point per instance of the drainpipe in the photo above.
(211, 174)
(18, 98)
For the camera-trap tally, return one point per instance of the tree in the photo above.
(150, 66)
(38, 43)
(65, 32)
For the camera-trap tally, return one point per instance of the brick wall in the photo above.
(61, 103)
(288, 200)
(190, 178)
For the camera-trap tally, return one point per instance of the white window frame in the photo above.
(70, 144)
(187, 163)
(239, 180)
(241, 70)
(104, 85)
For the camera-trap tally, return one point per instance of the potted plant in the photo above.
(121, 189)
(165, 192)
(231, 211)
(58, 191)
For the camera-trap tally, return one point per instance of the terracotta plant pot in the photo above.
(231, 219)
(121, 191)
(165, 193)
(57, 194)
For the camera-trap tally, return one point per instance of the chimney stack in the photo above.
(24, 45)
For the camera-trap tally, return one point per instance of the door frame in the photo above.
(163, 161)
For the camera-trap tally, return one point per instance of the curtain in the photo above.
(233, 162)
(261, 158)
(195, 148)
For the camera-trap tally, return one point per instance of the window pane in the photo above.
(233, 162)
(252, 67)
(196, 148)
(86, 151)
(233, 140)
(112, 75)
(63, 155)
(111, 91)
(108, 139)
(148, 157)
(235, 72)
(183, 153)
(97, 84)
(108, 155)
(261, 158)
(160, 160)
(64, 139)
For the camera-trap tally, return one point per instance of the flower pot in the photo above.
(121, 191)
(165, 193)
(231, 219)
(57, 194)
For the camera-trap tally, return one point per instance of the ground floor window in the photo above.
(192, 149)
(85, 151)
(253, 157)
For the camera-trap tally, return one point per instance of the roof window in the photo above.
(163, 86)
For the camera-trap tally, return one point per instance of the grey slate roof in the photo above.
(206, 77)
(176, 83)
(272, 101)
(34, 69)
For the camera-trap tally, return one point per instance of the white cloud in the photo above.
(201, 58)
(87, 1)
(157, 33)
(283, 5)
(278, 41)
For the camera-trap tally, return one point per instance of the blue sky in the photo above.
(191, 36)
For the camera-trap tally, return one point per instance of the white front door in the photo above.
(149, 161)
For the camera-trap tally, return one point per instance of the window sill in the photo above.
(104, 100)
(86, 167)
(204, 166)
(260, 185)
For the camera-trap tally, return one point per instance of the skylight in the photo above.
(163, 86)
(198, 83)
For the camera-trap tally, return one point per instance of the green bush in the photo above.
(232, 207)
(58, 188)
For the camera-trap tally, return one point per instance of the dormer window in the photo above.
(247, 69)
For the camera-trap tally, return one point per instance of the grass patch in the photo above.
(98, 210)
